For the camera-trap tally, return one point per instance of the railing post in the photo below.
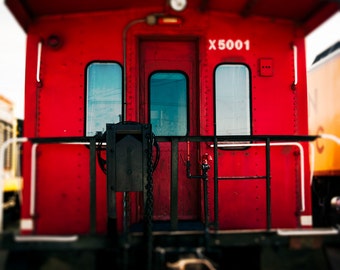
(174, 185)
(268, 188)
(93, 185)
(216, 222)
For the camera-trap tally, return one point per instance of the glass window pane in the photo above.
(168, 103)
(104, 96)
(232, 99)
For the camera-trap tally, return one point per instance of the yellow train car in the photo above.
(324, 119)
(10, 176)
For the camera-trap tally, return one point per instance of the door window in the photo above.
(168, 103)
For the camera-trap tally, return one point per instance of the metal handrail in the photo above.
(269, 140)
(35, 143)
(91, 140)
(302, 166)
(68, 140)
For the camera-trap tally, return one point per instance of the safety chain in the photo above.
(148, 213)
(126, 211)
(149, 186)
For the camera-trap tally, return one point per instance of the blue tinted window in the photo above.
(168, 103)
(104, 96)
(232, 99)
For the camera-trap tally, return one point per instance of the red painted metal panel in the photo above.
(62, 191)
(62, 194)
(55, 107)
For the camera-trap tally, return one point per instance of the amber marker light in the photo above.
(169, 20)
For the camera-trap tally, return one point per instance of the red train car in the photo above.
(170, 125)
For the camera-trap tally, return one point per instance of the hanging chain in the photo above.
(149, 201)
(126, 211)
(149, 185)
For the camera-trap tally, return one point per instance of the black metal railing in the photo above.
(214, 140)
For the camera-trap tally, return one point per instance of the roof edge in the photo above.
(20, 12)
(327, 53)
(321, 16)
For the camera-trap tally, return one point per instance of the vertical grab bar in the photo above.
(295, 54)
(38, 62)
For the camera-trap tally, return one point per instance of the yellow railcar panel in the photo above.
(324, 113)
(12, 184)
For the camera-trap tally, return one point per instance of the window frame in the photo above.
(249, 97)
(86, 84)
(187, 109)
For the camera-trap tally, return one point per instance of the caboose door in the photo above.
(168, 95)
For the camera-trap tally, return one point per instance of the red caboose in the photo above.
(168, 118)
